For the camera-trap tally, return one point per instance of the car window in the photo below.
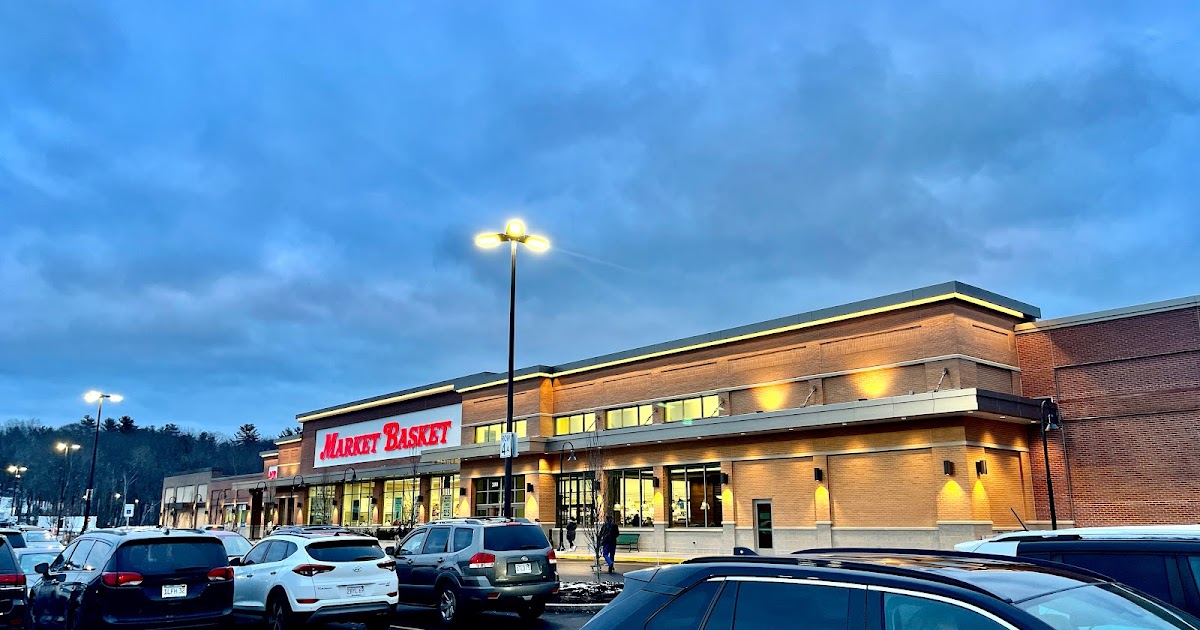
(514, 538)
(1101, 607)
(412, 545)
(38, 535)
(280, 550)
(58, 563)
(774, 605)
(344, 550)
(31, 560)
(903, 612)
(79, 556)
(6, 558)
(171, 557)
(258, 554)
(1145, 572)
(95, 558)
(436, 541)
(235, 545)
(721, 617)
(687, 611)
(462, 538)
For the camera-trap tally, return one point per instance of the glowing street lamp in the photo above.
(98, 398)
(17, 471)
(514, 233)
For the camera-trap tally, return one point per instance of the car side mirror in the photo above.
(389, 550)
(42, 569)
(235, 561)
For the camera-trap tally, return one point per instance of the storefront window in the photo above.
(640, 415)
(489, 496)
(321, 501)
(357, 504)
(492, 432)
(632, 496)
(400, 502)
(692, 408)
(695, 495)
(577, 498)
(444, 491)
(578, 423)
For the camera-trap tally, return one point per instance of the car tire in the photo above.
(279, 614)
(449, 605)
(532, 610)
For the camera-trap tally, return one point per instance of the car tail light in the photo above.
(307, 601)
(390, 565)
(121, 578)
(553, 559)
(309, 570)
(17, 579)
(482, 561)
(220, 574)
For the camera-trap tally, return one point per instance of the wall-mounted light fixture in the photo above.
(420, 499)
(299, 505)
(725, 479)
(981, 467)
(655, 482)
(948, 467)
(462, 492)
(818, 474)
(529, 488)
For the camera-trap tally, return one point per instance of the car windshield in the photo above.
(6, 562)
(235, 545)
(345, 551)
(1102, 607)
(30, 560)
(169, 557)
(38, 535)
(514, 538)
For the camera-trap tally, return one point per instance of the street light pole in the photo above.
(1049, 414)
(514, 233)
(16, 470)
(66, 450)
(98, 398)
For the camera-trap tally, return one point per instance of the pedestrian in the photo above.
(608, 540)
(572, 525)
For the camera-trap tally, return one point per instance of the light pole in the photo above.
(137, 503)
(562, 545)
(17, 470)
(514, 233)
(1050, 420)
(98, 398)
(120, 508)
(66, 449)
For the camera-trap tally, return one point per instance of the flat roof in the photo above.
(862, 308)
(1110, 314)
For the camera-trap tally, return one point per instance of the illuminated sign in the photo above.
(272, 472)
(405, 435)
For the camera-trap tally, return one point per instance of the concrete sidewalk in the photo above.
(638, 557)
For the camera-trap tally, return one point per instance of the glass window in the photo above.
(492, 432)
(173, 557)
(321, 501)
(489, 496)
(577, 499)
(774, 605)
(903, 612)
(400, 505)
(344, 550)
(640, 415)
(462, 538)
(695, 495)
(436, 541)
(578, 423)
(62, 558)
(79, 556)
(1147, 573)
(631, 495)
(1100, 606)
(258, 554)
(357, 504)
(443, 491)
(692, 408)
(687, 611)
(412, 546)
(280, 550)
(97, 556)
(514, 538)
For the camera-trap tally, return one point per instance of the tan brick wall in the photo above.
(1005, 487)
(892, 489)
(788, 483)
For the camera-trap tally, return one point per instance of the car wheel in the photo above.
(278, 614)
(532, 611)
(449, 608)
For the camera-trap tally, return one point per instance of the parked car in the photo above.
(135, 578)
(1163, 561)
(469, 564)
(290, 580)
(880, 590)
(327, 530)
(14, 598)
(236, 544)
(40, 538)
(28, 559)
(16, 539)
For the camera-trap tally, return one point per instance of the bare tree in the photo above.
(591, 522)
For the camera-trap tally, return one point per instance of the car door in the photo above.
(406, 554)
(427, 563)
(249, 581)
(46, 607)
(70, 590)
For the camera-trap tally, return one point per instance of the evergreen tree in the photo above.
(110, 424)
(127, 425)
(170, 428)
(88, 423)
(247, 435)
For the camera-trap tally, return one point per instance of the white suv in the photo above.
(292, 579)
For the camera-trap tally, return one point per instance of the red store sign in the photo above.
(405, 435)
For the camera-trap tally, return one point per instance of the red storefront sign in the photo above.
(405, 435)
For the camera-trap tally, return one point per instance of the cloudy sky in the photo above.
(237, 211)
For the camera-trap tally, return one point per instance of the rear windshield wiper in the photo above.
(364, 558)
(529, 547)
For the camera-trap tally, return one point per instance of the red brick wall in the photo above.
(1129, 391)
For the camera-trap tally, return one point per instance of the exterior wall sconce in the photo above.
(948, 467)
(462, 492)
(655, 482)
(299, 505)
(420, 499)
(818, 474)
(725, 479)
(981, 467)
(529, 488)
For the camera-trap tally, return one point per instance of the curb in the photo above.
(574, 608)
(639, 560)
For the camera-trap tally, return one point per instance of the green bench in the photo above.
(630, 541)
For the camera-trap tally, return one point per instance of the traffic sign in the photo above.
(128, 510)
(508, 445)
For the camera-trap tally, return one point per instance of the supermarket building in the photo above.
(905, 420)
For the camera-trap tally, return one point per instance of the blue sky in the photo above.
(235, 212)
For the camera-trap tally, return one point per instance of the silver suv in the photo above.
(469, 564)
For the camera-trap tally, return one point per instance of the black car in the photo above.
(880, 590)
(13, 601)
(130, 578)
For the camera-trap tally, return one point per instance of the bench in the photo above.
(629, 540)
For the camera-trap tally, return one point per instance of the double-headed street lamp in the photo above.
(514, 233)
(98, 398)
(17, 470)
(66, 449)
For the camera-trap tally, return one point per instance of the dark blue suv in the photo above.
(880, 590)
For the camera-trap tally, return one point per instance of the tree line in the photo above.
(132, 460)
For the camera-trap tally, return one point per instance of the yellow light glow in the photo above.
(875, 383)
(771, 397)
(537, 244)
(822, 500)
(92, 396)
(61, 446)
(515, 228)
(488, 241)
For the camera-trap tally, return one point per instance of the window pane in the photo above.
(613, 419)
(645, 414)
(1146, 573)
(691, 408)
(462, 538)
(562, 426)
(901, 612)
(674, 411)
(436, 542)
(775, 605)
(687, 611)
(710, 404)
(518, 428)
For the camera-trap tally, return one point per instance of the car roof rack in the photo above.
(969, 556)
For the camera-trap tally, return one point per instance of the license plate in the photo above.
(355, 590)
(523, 568)
(174, 590)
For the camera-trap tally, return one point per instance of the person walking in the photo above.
(572, 525)
(608, 540)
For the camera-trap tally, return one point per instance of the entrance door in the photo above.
(762, 525)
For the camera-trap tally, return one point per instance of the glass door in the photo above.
(762, 525)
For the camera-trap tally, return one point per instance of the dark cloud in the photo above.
(240, 214)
